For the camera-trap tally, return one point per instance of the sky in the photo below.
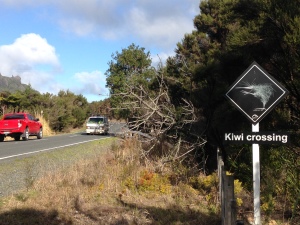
(56, 45)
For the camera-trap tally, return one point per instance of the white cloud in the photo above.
(161, 32)
(31, 49)
(152, 23)
(90, 83)
(31, 57)
(79, 27)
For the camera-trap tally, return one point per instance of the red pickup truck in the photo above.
(17, 125)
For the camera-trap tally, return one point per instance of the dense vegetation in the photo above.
(229, 35)
(63, 111)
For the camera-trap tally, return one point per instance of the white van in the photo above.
(97, 125)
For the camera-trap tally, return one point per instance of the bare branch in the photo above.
(155, 119)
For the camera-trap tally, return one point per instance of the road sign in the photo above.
(255, 93)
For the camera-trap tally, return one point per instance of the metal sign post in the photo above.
(256, 178)
(255, 93)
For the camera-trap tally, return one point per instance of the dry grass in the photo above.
(113, 187)
(46, 128)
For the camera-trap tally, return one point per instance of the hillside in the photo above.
(11, 84)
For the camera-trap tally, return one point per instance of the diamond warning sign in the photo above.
(255, 93)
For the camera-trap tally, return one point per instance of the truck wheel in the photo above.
(40, 134)
(25, 135)
(1, 138)
(17, 138)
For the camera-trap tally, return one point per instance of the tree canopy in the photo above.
(132, 65)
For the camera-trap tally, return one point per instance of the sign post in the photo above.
(255, 93)
(256, 177)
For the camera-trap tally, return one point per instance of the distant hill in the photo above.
(11, 84)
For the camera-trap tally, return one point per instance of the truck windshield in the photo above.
(95, 120)
(14, 116)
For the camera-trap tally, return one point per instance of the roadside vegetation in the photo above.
(108, 182)
(179, 111)
(111, 185)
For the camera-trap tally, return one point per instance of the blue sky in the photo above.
(58, 45)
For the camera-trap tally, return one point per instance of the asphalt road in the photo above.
(11, 149)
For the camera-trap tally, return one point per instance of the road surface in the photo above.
(11, 149)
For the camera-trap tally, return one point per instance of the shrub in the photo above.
(150, 181)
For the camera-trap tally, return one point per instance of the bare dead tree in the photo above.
(157, 121)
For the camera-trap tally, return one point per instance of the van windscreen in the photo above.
(95, 120)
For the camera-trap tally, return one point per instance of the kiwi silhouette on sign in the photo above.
(255, 93)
